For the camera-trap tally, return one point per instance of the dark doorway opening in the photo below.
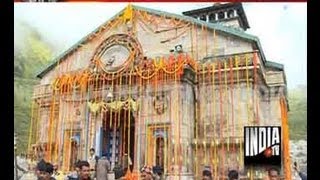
(118, 138)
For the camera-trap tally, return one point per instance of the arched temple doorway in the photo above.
(118, 130)
(158, 146)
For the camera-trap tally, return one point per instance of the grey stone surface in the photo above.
(298, 153)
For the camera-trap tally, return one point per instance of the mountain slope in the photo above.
(31, 53)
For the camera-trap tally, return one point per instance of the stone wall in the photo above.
(199, 42)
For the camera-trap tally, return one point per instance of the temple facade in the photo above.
(169, 90)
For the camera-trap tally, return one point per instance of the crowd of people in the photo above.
(273, 173)
(47, 171)
(96, 168)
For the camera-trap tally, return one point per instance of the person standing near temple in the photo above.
(233, 175)
(103, 167)
(84, 171)
(45, 170)
(93, 159)
(206, 174)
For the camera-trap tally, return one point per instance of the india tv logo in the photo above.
(262, 145)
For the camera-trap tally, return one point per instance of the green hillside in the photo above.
(298, 113)
(30, 55)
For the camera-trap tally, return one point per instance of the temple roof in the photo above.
(213, 26)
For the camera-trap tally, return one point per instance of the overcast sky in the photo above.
(281, 27)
